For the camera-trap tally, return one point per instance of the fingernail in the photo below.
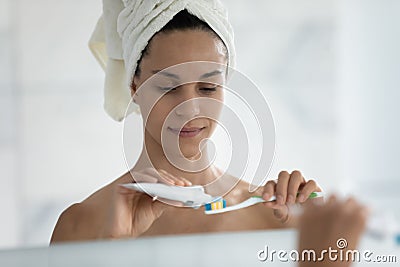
(279, 199)
(167, 179)
(186, 181)
(301, 198)
(290, 199)
(266, 196)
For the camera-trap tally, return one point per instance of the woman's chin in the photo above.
(191, 154)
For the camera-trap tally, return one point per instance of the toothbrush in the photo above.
(247, 203)
(380, 226)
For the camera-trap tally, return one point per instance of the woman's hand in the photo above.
(131, 213)
(288, 189)
(340, 223)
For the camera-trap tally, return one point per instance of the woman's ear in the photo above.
(134, 89)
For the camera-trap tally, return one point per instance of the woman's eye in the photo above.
(208, 89)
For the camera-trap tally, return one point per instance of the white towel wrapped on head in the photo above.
(124, 30)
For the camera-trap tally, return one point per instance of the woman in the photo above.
(116, 212)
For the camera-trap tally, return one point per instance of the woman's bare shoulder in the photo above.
(69, 224)
(104, 193)
(80, 221)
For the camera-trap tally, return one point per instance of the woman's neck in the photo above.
(153, 156)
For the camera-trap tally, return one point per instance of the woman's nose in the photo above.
(189, 104)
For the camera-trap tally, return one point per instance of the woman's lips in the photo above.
(186, 131)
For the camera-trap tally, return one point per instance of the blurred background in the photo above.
(329, 69)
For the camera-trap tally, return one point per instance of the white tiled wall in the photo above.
(287, 48)
(57, 145)
(54, 150)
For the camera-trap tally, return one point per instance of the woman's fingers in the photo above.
(269, 190)
(282, 187)
(296, 180)
(160, 177)
(187, 182)
(290, 188)
(309, 187)
(178, 180)
(139, 177)
(165, 177)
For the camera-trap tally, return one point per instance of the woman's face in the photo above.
(184, 93)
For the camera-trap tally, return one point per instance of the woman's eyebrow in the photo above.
(174, 76)
(165, 73)
(210, 74)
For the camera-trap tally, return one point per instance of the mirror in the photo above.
(327, 68)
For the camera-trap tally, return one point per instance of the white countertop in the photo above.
(221, 249)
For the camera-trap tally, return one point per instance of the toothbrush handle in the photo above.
(252, 201)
